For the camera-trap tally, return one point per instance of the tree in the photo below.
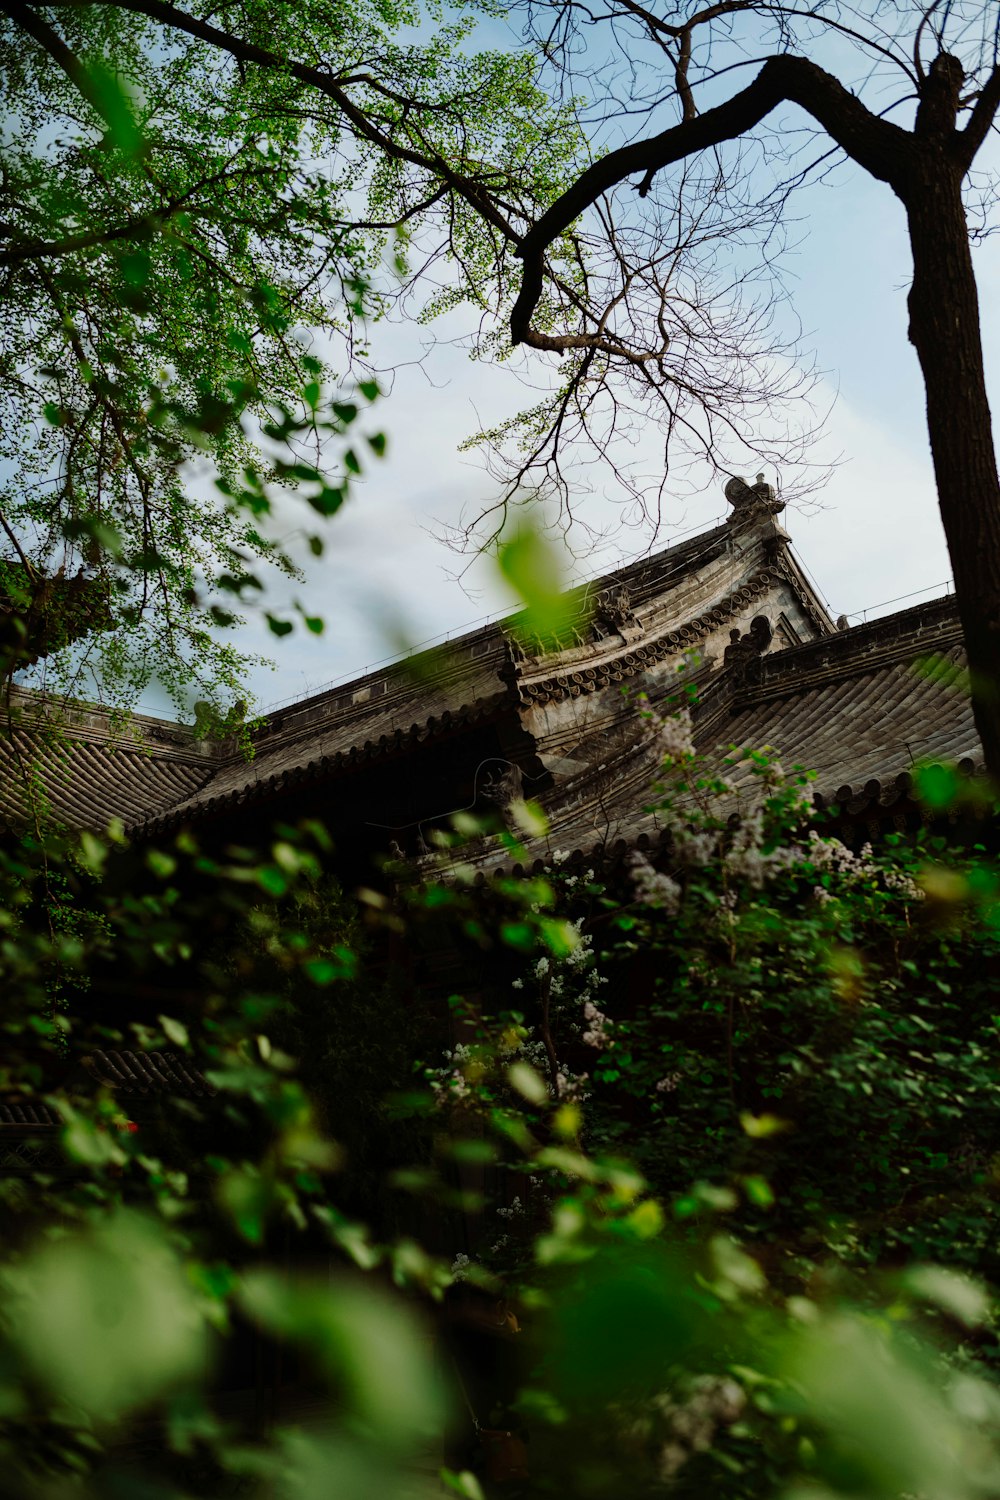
(189, 252)
(427, 131)
(945, 59)
(202, 217)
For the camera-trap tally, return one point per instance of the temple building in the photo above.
(726, 620)
(728, 617)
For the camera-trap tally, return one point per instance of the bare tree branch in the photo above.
(983, 114)
(882, 148)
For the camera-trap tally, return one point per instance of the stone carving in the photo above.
(642, 656)
(744, 654)
(750, 499)
(613, 613)
(505, 788)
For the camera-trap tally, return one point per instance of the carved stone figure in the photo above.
(504, 789)
(613, 613)
(747, 499)
(744, 654)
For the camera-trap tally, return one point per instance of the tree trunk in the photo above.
(944, 329)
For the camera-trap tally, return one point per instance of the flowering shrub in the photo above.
(778, 1052)
(691, 1107)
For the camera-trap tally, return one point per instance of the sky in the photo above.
(871, 537)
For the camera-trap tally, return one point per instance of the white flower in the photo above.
(570, 1085)
(595, 1035)
(652, 888)
(695, 849)
(673, 734)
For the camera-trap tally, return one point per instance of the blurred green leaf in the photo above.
(106, 1318)
(619, 1326)
(533, 564)
(937, 785)
(528, 1083)
(175, 1031)
(369, 1345)
(110, 97)
(955, 1294)
(462, 1483)
(890, 1430)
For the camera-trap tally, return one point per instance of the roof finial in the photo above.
(752, 499)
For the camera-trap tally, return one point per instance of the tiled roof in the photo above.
(863, 705)
(860, 708)
(85, 783)
(132, 1075)
(72, 763)
(28, 1113)
(285, 764)
(148, 1073)
(849, 704)
(481, 676)
(869, 726)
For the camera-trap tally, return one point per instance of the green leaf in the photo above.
(937, 785)
(107, 93)
(328, 500)
(528, 1083)
(955, 1294)
(93, 853)
(530, 818)
(247, 1200)
(106, 1318)
(370, 1347)
(175, 1031)
(533, 565)
(760, 1127)
(135, 267)
(324, 971)
(518, 935)
(464, 1483)
(758, 1191)
(559, 936)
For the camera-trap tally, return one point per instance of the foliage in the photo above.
(655, 1106)
(192, 253)
(794, 1046)
(728, 1295)
(354, 1033)
(134, 1248)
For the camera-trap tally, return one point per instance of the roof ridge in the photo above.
(876, 643)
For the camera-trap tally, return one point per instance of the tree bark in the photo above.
(945, 331)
